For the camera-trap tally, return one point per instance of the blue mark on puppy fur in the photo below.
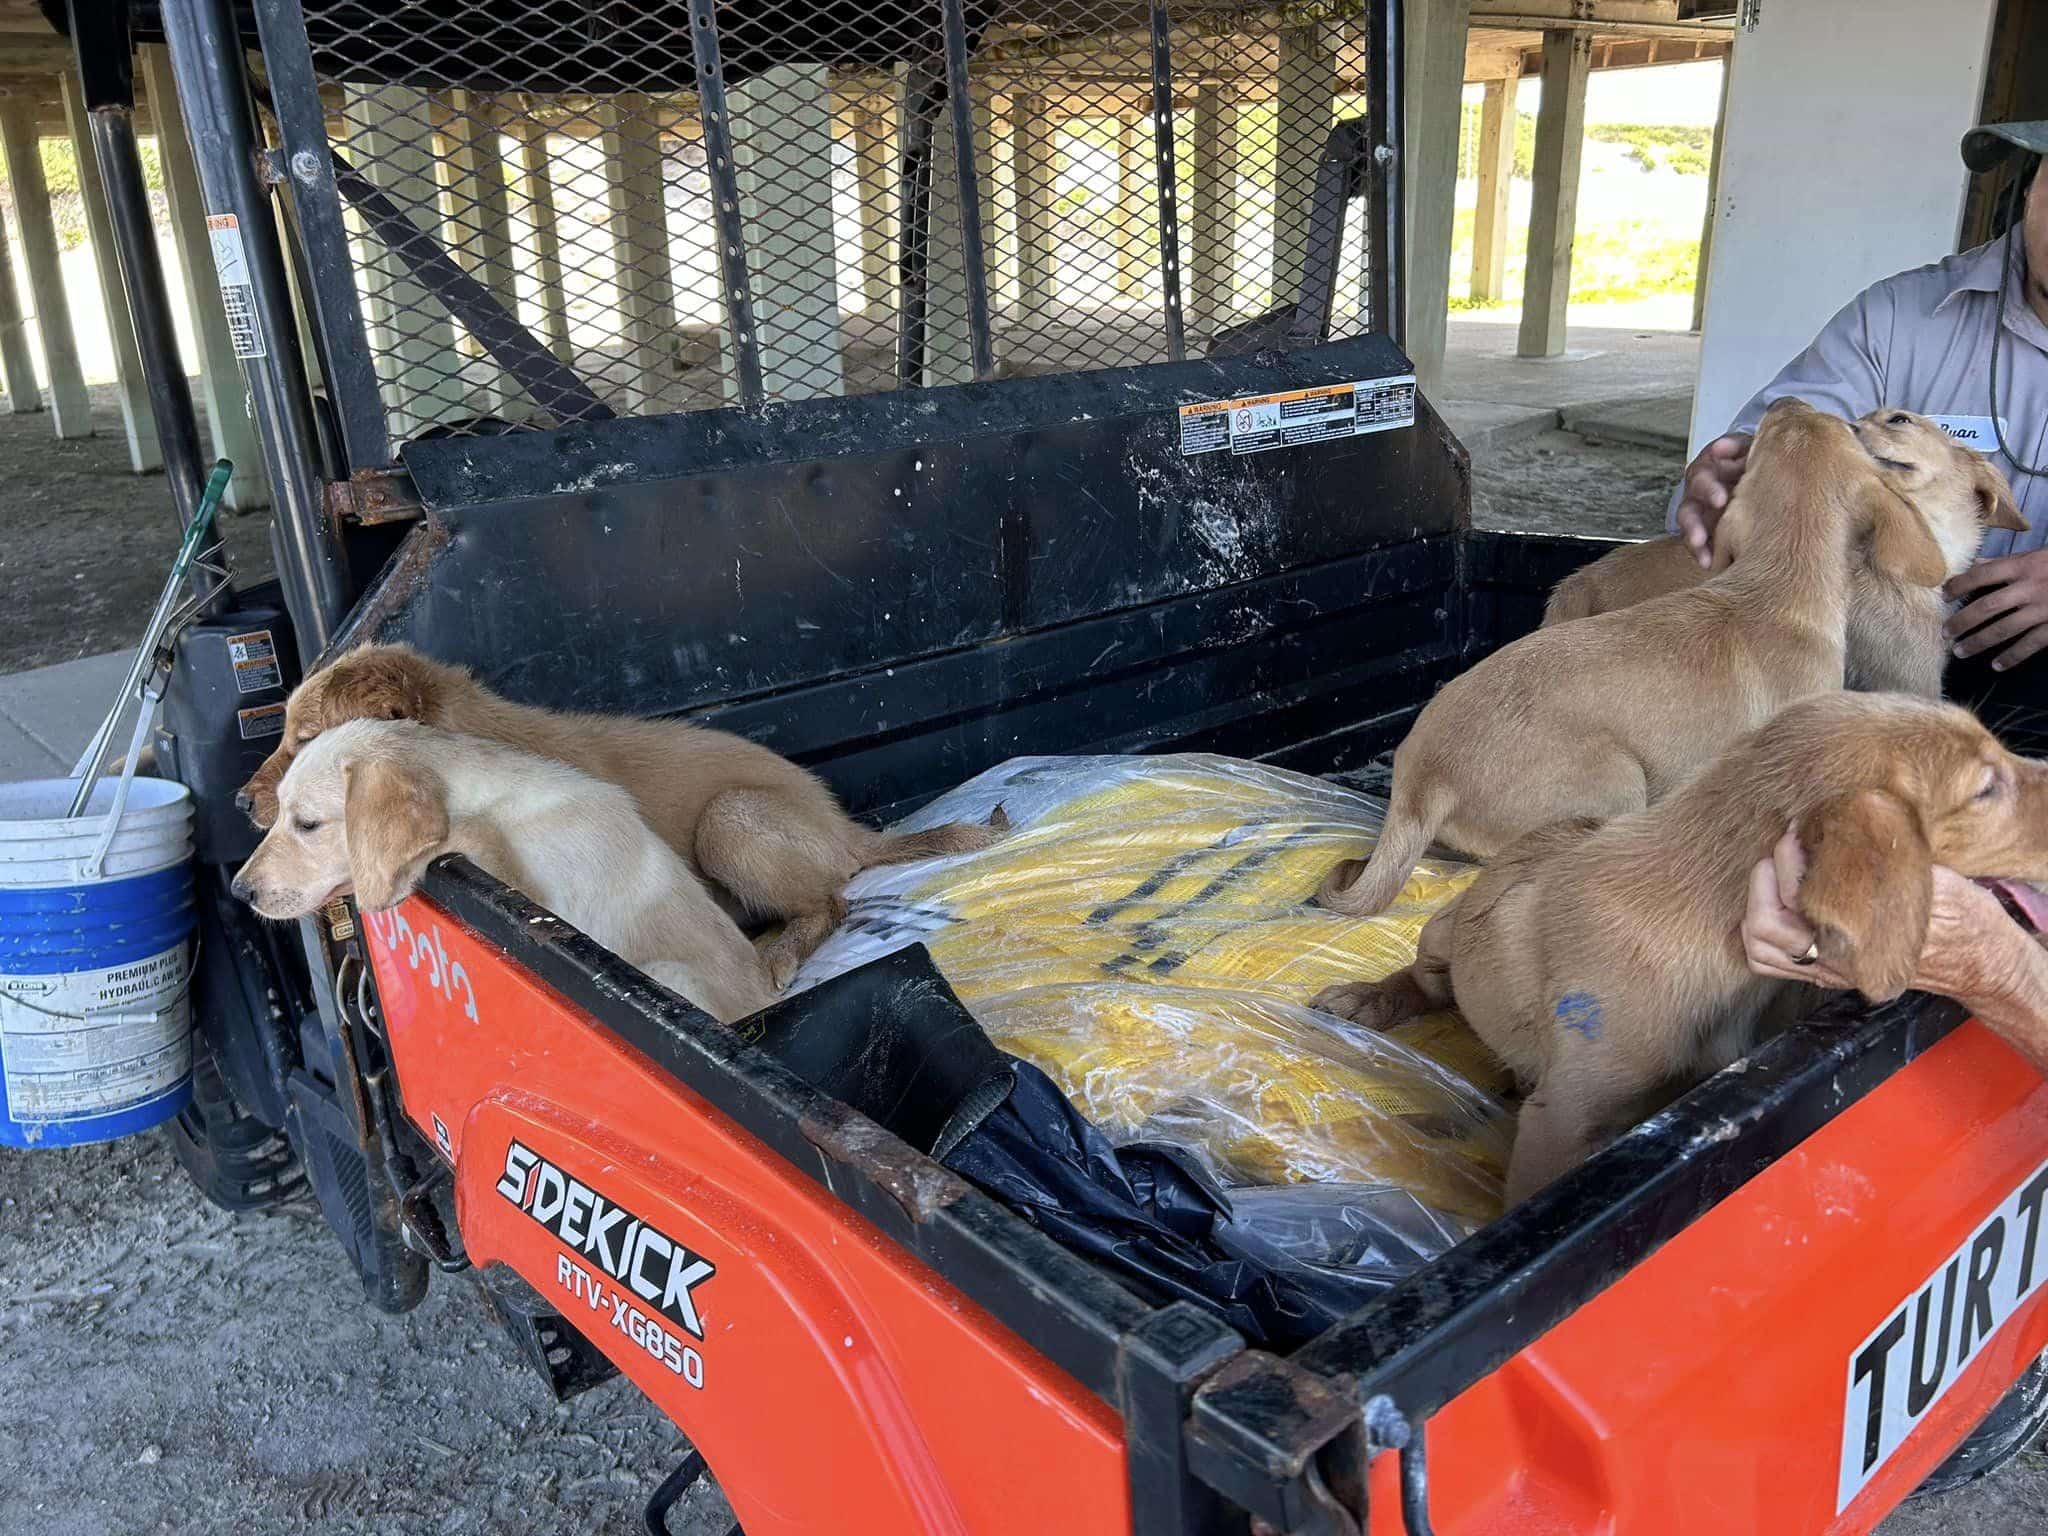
(1580, 1012)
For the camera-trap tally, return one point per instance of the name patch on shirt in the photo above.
(1978, 432)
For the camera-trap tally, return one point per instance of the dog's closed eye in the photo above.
(307, 824)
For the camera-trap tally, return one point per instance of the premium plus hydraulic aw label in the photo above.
(631, 1273)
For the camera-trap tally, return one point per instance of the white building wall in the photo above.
(1839, 167)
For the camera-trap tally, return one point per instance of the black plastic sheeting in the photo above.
(893, 1041)
(1147, 1211)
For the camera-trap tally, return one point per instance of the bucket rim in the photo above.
(151, 802)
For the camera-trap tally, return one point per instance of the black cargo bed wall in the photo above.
(902, 589)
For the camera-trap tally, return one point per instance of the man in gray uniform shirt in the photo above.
(1966, 342)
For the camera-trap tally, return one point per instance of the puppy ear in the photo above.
(1868, 887)
(1995, 506)
(262, 788)
(381, 685)
(396, 820)
(1899, 541)
(1730, 534)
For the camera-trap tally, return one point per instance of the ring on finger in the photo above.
(1812, 954)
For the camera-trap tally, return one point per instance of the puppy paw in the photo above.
(1354, 1000)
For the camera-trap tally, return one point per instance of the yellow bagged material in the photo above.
(1143, 937)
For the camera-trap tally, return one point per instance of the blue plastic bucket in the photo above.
(95, 961)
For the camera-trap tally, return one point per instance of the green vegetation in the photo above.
(1687, 151)
(60, 172)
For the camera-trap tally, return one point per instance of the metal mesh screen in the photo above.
(1139, 185)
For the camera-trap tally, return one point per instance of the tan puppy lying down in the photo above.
(1605, 965)
(761, 830)
(1609, 714)
(371, 803)
(1895, 641)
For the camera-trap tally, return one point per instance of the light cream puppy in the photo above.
(366, 806)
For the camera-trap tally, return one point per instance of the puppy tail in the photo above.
(1409, 830)
(936, 842)
(1570, 599)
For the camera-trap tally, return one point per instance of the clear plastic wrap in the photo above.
(1144, 937)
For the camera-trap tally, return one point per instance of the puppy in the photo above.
(1609, 714)
(1895, 642)
(1604, 963)
(762, 831)
(368, 805)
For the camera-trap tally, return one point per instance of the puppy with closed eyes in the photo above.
(1603, 962)
(366, 806)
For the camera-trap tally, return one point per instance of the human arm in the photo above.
(1841, 371)
(1973, 953)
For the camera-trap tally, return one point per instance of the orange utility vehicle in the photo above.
(461, 248)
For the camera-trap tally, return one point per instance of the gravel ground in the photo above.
(168, 1368)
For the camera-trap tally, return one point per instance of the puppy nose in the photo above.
(245, 802)
(241, 889)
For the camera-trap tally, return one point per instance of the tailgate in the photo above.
(1776, 1307)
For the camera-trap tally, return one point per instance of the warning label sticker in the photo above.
(231, 266)
(263, 720)
(1257, 423)
(255, 662)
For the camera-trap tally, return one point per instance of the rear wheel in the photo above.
(2009, 1428)
(238, 1162)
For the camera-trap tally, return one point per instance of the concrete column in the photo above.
(874, 183)
(1137, 213)
(1305, 83)
(477, 228)
(138, 421)
(539, 187)
(995, 155)
(1496, 177)
(639, 228)
(221, 385)
(1034, 154)
(21, 142)
(1434, 53)
(1553, 213)
(1212, 272)
(1699, 279)
(782, 145)
(24, 396)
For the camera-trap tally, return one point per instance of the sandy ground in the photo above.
(168, 1368)
(1555, 482)
(83, 558)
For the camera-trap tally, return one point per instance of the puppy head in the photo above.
(1949, 794)
(1959, 493)
(356, 812)
(372, 682)
(1806, 465)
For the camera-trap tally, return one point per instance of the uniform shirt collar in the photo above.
(1978, 271)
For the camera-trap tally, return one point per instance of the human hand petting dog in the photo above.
(1709, 483)
(2012, 606)
(1974, 953)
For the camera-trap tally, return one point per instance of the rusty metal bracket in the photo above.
(372, 496)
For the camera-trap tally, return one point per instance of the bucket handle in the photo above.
(89, 867)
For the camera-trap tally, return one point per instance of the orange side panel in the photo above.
(1709, 1390)
(831, 1380)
